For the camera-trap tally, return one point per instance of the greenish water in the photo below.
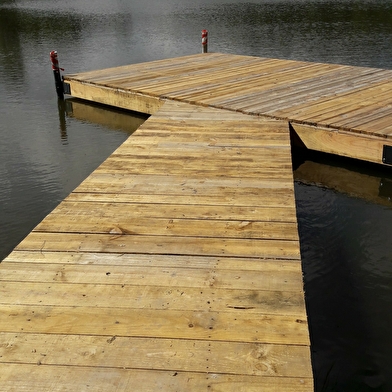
(45, 152)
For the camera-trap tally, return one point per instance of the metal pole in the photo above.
(57, 76)
(204, 41)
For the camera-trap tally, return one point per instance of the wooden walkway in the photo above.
(175, 266)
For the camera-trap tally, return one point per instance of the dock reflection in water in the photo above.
(111, 118)
(344, 212)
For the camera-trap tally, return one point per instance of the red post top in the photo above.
(55, 61)
(204, 37)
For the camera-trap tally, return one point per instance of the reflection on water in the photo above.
(63, 108)
(111, 118)
(360, 180)
(47, 148)
(38, 169)
(346, 254)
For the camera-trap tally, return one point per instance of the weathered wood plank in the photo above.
(270, 279)
(154, 67)
(120, 98)
(19, 378)
(92, 206)
(264, 155)
(236, 326)
(272, 198)
(197, 167)
(121, 224)
(167, 220)
(157, 354)
(120, 243)
(308, 92)
(152, 295)
(144, 183)
(261, 264)
(259, 80)
(352, 145)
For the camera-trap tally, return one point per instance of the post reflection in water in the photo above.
(63, 108)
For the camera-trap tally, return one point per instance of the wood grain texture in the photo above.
(20, 377)
(368, 148)
(163, 354)
(322, 96)
(176, 264)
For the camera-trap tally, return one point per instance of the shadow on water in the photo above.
(346, 253)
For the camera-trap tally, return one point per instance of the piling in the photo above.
(204, 41)
(57, 75)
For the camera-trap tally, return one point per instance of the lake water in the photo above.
(46, 150)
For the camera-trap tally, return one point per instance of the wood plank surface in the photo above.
(342, 143)
(174, 266)
(341, 97)
(161, 354)
(83, 378)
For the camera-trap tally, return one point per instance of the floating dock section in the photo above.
(175, 266)
(337, 109)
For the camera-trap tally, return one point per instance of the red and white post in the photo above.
(56, 72)
(204, 41)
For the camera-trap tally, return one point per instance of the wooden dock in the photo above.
(337, 109)
(175, 266)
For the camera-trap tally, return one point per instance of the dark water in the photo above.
(46, 151)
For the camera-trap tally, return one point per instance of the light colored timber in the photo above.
(234, 325)
(119, 224)
(367, 148)
(117, 242)
(78, 378)
(125, 259)
(272, 198)
(104, 351)
(173, 297)
(89, 204)
(322, 96)
(176, 264)
(287, 279)
(137, 102)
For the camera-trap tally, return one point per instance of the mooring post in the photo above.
(57, 76)
(204, 41)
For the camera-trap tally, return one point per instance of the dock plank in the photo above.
(155, 295)
(257, 265)
(286, 279)
(77, 378)
(220, 325)
(154, 244)
(142, 353)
